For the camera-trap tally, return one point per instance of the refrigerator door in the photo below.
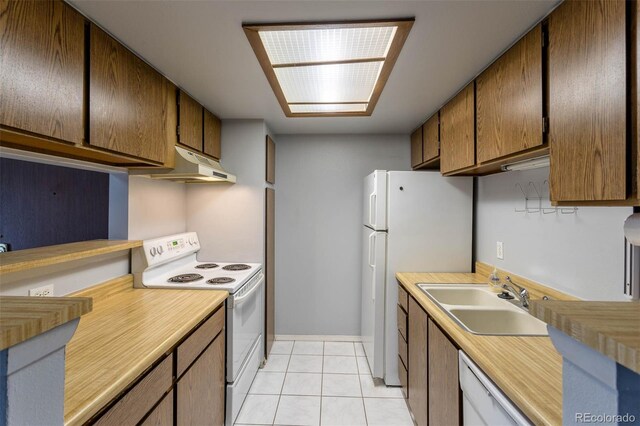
(374, 245)
(430, 228)
(375, 201)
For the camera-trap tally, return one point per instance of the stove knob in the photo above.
(153, 251)
(160, 250)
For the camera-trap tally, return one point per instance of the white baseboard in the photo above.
(328, 338)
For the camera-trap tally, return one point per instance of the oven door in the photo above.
(245, 323)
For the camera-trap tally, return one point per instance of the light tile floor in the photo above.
(321, 383)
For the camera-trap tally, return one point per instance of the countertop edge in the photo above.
(601, 341)
(85, 412)
(26, 317)
(21, 260)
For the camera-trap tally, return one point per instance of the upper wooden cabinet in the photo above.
(431, 138)
(212, 135)
(457, 132)
(271, 161)
(190, 122)
(128, 101)
(509, 101)
(416, 147)
(587, 101)
(198, 128)
(42, 69)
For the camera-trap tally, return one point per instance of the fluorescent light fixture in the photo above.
(534, 163)
(328, 68)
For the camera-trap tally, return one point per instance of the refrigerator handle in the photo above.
(372, 243)
(372, 209)
(372, 264)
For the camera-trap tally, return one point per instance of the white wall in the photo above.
(581, 254)
(156, 208)
(319, 183)
(229, 219)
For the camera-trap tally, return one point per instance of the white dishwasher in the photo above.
(482, 402)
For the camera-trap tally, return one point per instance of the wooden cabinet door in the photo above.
(431, 138)
(128, 110)
(444, 390)
(271, 161)
(418, 363)
(416, 147)
(212, 135)
(270, 224)
(42, 68)
(587, 101)
(509, 101)
(131, 408)
(162, 415)
(190, 122)
(457, 130)
(200, 392)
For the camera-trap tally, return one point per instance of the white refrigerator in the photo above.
(413, 222)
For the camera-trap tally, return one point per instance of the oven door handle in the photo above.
(238, 300)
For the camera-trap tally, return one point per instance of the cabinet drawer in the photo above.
(402, 372)
(402, 349)
(132, 407)
(402, 324)
(403, 298)
(189, 350)
(162, 415)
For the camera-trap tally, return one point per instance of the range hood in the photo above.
(193, 168)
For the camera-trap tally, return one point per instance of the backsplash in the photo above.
(43, 204)
(578, 252)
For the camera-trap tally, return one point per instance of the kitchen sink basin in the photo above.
(479, 310)
(464, 295)
(499, 322)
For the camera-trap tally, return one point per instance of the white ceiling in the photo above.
(200, 45)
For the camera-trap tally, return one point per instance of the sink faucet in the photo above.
(521, 293)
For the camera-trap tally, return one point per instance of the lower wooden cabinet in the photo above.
(444, 385)
(418, 363)
(429, 370)
(162, 415)
(200, 392)
(140, 399)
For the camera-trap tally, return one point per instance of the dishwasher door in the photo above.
(482, 402)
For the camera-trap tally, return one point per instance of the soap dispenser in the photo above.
(494, 280)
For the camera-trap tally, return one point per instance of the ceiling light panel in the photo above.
(329, 83)
(326, 108)
(327, 45)
(328, 68)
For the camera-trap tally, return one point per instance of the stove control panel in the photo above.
(162, 250)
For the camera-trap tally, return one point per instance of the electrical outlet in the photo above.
(500, 250)
(44, 291)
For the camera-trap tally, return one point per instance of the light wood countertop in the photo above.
(21, 260)
(527, 369)
(24, 317)
(611, 328)
(128, 330)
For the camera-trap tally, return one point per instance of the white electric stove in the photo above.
(172, 263)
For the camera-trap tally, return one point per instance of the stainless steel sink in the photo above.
(478, 310)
